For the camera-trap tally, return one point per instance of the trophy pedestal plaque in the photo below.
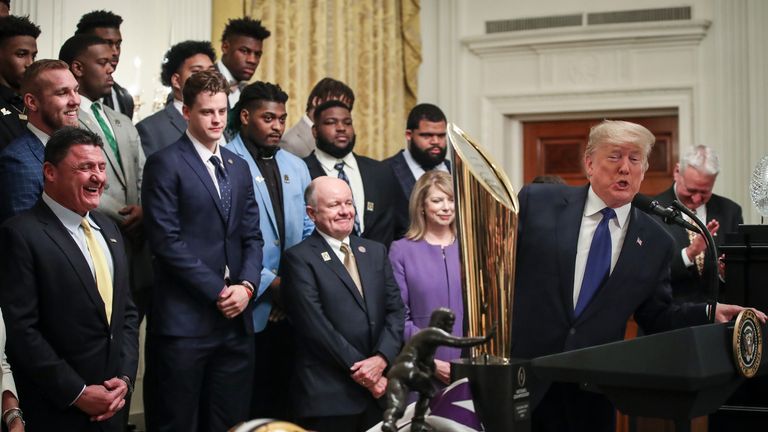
(500, 391)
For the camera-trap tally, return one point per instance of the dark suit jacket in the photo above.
(379, 216)
(58, 336)
(124, 101)
(543, 319)
(21, 175)
(687, 284)
(335, 326)
(161, 129)
(192, 242)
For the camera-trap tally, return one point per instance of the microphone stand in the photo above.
(712, 250)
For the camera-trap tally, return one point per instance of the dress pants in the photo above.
(202, 382)
(274, 366)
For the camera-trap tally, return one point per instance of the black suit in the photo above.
(687, 283)
(380, 219)
(161, 129)
(543, 318)
(124, 101)
(335, 326)
(59, 339)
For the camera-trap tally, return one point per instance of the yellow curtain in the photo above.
(374, 46)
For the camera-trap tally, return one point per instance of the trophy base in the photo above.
(500, 391)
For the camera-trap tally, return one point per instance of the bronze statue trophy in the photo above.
(414, 369)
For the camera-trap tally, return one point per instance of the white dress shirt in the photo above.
(335, 245)
(205, 156)
(589, 221)
(42, 136)
(234, 96)
(353, 174)
(86, 103)
(701, 213)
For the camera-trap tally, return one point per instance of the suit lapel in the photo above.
(262, 193)
(36, 147)
(568, 226)
(403, 174)
(177, 120)
(366, 269)
(370, 194)
(315, 169)
(321, 246)
(91, 125)
(192, 159)
(123, 145)
(63, 240)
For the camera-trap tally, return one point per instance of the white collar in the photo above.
(203, 151)
(178, 105)
(85, 103)
(68, 218)
(334, 242)
(225, 71)
(42, 136)
(328, 161)
(594, 204)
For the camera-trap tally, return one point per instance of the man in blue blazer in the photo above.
(279, 179)
(166, 126)
(587, 260)
(343, 300)
(50, 96)
(203, 229)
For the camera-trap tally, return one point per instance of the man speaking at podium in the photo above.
(587, 260)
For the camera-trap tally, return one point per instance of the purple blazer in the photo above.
(428, 279)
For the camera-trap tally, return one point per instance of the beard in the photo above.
(331, 149)
(425, 159)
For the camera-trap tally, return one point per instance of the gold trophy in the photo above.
(486, 220)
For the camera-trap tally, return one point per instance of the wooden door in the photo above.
(557, 148)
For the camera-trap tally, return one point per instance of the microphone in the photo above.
(668, 214)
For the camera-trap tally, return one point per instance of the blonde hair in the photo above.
(620, 132)
(443, 182)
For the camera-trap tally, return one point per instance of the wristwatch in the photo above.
(12, 414)
(127, 382)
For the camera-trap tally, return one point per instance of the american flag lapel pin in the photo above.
(639, 241)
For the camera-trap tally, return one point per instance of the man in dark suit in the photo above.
(371, 181)
(346, 308)
(577, 279)
(72, 328)
(18, 48)
(695, 177)
(106, 25)
(52, 101)
(242, 44)
(167, 125)
(203, 228)
(425, 150)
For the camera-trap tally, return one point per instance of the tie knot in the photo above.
(339, 166)
(345, 249)
(608, 213)
(215, 161)
(85, 225)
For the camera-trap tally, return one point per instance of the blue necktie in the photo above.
(342, 175)
(225, 189)
(598, 262)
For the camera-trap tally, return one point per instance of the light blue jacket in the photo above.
(295, 179)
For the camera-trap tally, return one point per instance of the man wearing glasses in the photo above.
(695, 177)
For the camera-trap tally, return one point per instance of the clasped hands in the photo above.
(369, 373)
(102, 401)
(233, 300)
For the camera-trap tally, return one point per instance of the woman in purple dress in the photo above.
(426, 262)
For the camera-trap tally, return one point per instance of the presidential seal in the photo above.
(747, 343)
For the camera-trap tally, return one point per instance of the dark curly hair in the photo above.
(245, 26)
(98, 19)
(13, 25)
(329, 88)
(179, 53)
(250, 99)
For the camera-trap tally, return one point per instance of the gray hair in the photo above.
(702, 158)
(620, 132)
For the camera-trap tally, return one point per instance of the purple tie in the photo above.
(598, 262)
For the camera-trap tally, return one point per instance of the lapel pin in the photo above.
(259, 179)
(231, 162)
(325, 256)
(5, 111)
(286, 179)
(369, 206)
(361, 249)
(117, 122)
(22, 117)
(639, 242)
(113, 240)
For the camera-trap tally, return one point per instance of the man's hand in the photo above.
(368, 372)
(727, 312)
(233, 300)
(133, 216)
(699, 244)
(443, 371)
(277, 314)
(378, 389)
(96, 401)
(114, 385)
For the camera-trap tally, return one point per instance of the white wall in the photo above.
(712, 70)
(149, 28)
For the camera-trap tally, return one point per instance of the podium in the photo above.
(677, 375)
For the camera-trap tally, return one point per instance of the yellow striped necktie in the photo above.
(100, 267)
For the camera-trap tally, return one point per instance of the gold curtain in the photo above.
(374, 46)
